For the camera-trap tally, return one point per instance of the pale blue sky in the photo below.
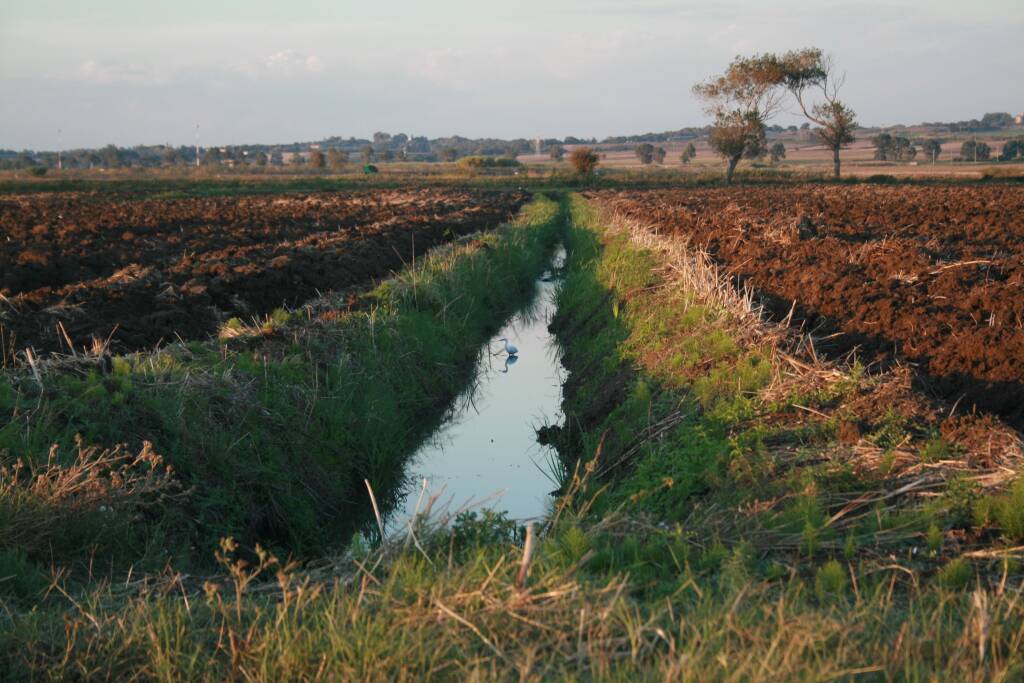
(142, 72)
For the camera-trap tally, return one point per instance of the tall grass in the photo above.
(454, 609)
(699, 536)
(272, 429)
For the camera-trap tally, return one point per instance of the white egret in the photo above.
(509, 349)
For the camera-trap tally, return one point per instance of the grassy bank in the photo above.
(265, 434)
(732, 509)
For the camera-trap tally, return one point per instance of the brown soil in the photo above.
(142, 271)
(933, 276)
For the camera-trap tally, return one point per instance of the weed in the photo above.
(1005, 510)
(830, 582)
(955, 575)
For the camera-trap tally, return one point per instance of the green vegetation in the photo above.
(270, 431)
(477, 162)
(972, 150)
(893, 147)
(708, 528)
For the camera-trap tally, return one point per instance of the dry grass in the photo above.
(40, 500)
(990, 454)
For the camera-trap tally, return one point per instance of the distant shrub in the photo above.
(881, 179)
(475, 162)
(37, 171)
(370, 169)
(584, 160)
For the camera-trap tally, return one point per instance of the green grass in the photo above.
(696, 537)
(272, 430)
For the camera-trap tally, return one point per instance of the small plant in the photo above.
(960, 501)
(809, 541)
(936, 449)
(474, 530)
(934, 538)
(891, 431)
(955, 575)
(1005, 510)
(830, 581)
(850, 547)
(573, 542)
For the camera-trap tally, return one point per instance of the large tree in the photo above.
(932, 148)
(811, 77)
(972, 150)
(688, 154)
(741, 100)
(893, 147)
(1012, 149)
(645, 153)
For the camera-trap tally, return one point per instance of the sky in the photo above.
(133, 72)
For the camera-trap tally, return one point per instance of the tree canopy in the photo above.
(741, 100)
(809, 70)
(584, 160)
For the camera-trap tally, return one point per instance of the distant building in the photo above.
(1019, 119)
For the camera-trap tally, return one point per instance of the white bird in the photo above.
(509, 349)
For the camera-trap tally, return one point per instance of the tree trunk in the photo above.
(835, 162)
(731, 168)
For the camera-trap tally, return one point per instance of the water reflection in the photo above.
(510, 360)
(487, 452)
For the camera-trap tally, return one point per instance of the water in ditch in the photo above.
(486, 454)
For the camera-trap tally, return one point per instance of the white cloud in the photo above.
(290, 63)
(103, 73)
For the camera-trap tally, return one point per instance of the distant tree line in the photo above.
(333, 152)
(989, 122)
(889, 147)
(667, 136)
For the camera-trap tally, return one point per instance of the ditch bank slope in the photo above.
(265, 434)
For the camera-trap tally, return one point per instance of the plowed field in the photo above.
(142, 271)
(932, 276)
